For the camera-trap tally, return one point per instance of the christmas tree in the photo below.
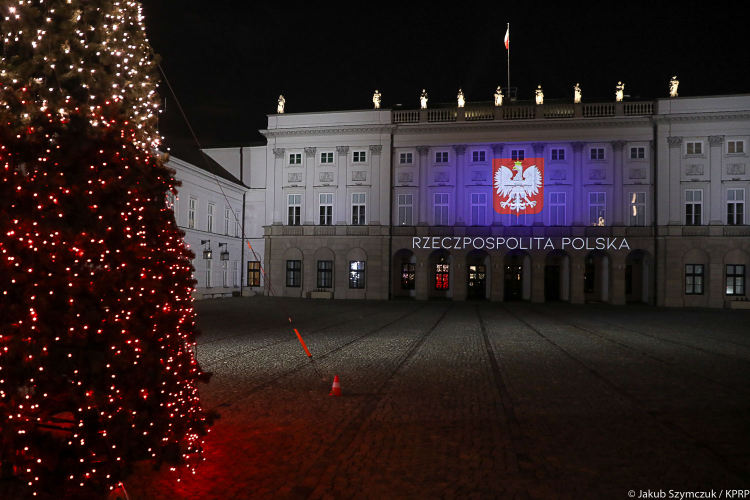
(97, 332)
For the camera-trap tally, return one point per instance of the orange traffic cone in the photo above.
(336, 389)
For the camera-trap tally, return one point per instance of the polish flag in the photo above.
(507, 37)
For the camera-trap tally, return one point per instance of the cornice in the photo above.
(522, 124)
(703, 117)
(329, 130)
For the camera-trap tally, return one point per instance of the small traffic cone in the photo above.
(336, 389)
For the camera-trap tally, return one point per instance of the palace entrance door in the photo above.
(551, 283)
(477, 282)
(513, 283)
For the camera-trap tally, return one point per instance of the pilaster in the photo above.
(538, 148)
(578, 184)
(675, 197)
(460, 151)
(617, 149)
(342, 213)
(497, 153)
(310, 202)
(278, 170)
(716, 212)
(423, 191)
(375, 195)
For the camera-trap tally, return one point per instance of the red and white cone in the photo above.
(336, 389)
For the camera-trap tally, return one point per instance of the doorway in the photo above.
(477, 282)
(513, 282)
(551, 283)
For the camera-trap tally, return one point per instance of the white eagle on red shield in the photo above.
(515, 188)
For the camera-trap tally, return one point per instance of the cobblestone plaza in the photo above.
(467, 400)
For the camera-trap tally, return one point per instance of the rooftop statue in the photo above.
(423, 99)
(280, 107)
(376, 99)
(499, 97)
(577, 94)
(619, 91)
(461, 100)
(673, 83)
(539, 95)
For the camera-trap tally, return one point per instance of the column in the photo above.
(716, 209)
(617, 149)
(577, 269)
(278, 193)
(310, 202)
(617, 281)
(461, 218)
(675, 198)
(578, 183)
(424, 191)
(537, 278)
(497, 220)
(375, 194)
(539, 153)
(342, 202)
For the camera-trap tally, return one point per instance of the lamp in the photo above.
(225, 254)
(207, 253)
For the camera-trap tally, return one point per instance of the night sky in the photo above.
(229, 61)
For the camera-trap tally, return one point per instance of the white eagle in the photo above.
(516, 189)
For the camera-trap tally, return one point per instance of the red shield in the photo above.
(518, 185)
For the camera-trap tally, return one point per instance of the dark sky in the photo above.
(229, 61)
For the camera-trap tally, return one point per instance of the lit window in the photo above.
(253, 273)
(735, 279)
(558, 154)
(358, 209)
(735, 147)
(441, 209)
(441, 157)
(478, 156)
(192, 204)
(735, 206)
(326, 157)
(442, 275)
(210, 218)
(405, 209)
(517, 154)
(693, 207)
(478, 209)
(356, 274)
(637, 153)
(637, 204)
(557, 209)
(326, 209)
(694, 279)
(294, 273)
(325, 273)
(360, 156)
(597, 209)
(295, 159)
(407, 275)
(694, 148)
(294, 208)
(405, 158)
(597, 153)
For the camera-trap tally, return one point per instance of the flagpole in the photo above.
(508, 35)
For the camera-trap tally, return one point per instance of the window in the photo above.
(441, 157)
(693, 207)
(442, 275)
(326, 209)
(694, 279)
(294, 273)
(637, 153)
(358, 209)
(295, 159)
(360, 156)
(209, 283)
(597, 153)
(210, 218)
(735, 279)
(325, 273)
(597, 209)
(478, 156)
(253, 273)
(406, 158)
(192, 203)
(478, 209)
(326, 157)
(357, 274)
(557, 209)
(407, 276)
(637, 209)
(224, 274)
(235, 273)
(170, 201)
(735, 206)
(237, 228)
(517, 154)
(294, 207)
(694, 148)
(734, 147)
(441, 209)
(558, 154)
(405, 209)
(226, 221)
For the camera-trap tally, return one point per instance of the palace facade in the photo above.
(615, 202)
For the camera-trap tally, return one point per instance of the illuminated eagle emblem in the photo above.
(515, 189)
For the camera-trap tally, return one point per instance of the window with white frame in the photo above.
(735, 206)
(359, 157)
(358, 209)
(517, 154)
(253, 273)
(294, 209)
(325, 273)
(637, 153)
(210, 218)
(209, 282)
(693, 207)
(226, 221)
(235, 274)
(637, 208)
(478, 156)
(406, 158)
(596, 153)
(735, 279)
(597, 209)
(735, 147)
(295, 159)
(405, 209)
(192, 204)
(557, 209)
(294, 273)
(441, 157)
(478, 209)
(441, 209)
(326, 208)
(557, 154)
(694, 148)
(326, 157)
(224, 274)
(694, 279)
(237, 228)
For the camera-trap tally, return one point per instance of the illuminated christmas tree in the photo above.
(97, 333)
